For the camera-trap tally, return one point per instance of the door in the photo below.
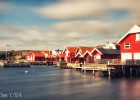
(90, 60)
(125, 56)
(137, 56)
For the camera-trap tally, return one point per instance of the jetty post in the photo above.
(108, 69)
(123, 69)
(93, 72)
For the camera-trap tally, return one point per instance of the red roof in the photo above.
(62, 55)
(38, 54)
(83, 50)
(72, 49)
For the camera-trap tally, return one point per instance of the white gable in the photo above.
(134, 29)
(110, 45)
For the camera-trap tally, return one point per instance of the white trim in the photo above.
(134, 29)
(128, 45)
(66, 48)
(87, 52)
(79, 54)
(96, 50)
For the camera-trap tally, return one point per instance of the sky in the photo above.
(55, 24)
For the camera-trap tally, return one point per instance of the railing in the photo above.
(117, 61)
(106, 61)
(132, 62)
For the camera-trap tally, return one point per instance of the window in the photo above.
(137, 37)
(127, 45)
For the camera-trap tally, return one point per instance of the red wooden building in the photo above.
(101, 55)
(35, 56)
(130, 44)
(70, 53)
(83, 54)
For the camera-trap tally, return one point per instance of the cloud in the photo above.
(75, 22)
(82, 28)
(5, 7)
(73, 9)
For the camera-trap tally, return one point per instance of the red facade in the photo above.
(101, 55)
(35, 56)
(70, 53)
(130, 44)
(83, 54)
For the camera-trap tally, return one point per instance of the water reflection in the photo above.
(130, 89)
(50, 83)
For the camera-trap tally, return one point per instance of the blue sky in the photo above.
(38, 24)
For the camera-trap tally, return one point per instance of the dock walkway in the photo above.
(111, 70)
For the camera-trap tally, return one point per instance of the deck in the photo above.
(111, 70)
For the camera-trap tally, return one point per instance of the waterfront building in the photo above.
(56, 54)
(84, 55)
(130, 44)
(102, 56)
(69, 53)
(110, 45)
(35, 56)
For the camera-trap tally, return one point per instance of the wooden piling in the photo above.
(109, 72)
(84, 71)
(130, 72)
(93, 72)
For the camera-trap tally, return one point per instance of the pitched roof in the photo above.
(62, 55)
(109, 51)
(134, 29)
(83, 50)
(72, 49)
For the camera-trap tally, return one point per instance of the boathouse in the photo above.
(84, 55)
(102, 56)
(56, 54)
(130, 44)
(35, 56)
(70, 53)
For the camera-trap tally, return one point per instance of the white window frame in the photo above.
(137, 37)
(127, 44)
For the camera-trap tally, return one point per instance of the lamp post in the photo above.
(7, 55)
(6, 52)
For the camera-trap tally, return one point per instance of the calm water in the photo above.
(50, 83)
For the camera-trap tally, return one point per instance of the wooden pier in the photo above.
(42, 63)
(109, 70)
(16, 65)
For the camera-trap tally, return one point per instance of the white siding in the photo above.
(136, 55)
(125, 56)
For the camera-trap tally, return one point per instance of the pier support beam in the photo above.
(84, 71)
(130, 72)
(93, 72)
(109, 72)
